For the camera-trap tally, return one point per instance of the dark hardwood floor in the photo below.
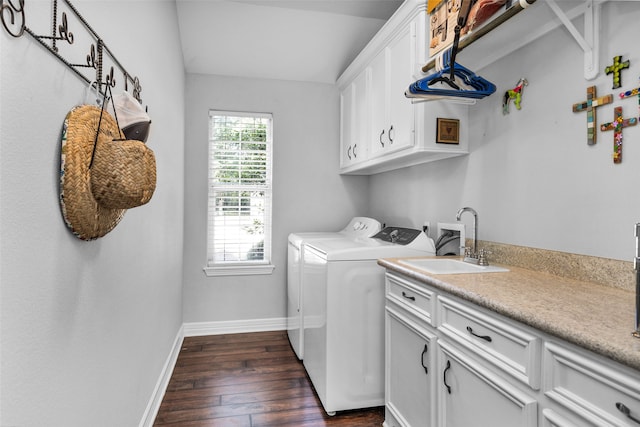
(247, 380)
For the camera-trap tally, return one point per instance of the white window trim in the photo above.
(239, 270)
(243, 268)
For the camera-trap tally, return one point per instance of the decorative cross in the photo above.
(630, 93)
(615, 69)
(590, 105)
(617, 125)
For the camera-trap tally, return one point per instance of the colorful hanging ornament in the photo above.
(616, 126)
(615, 69)
(515, 94)
(590, 106)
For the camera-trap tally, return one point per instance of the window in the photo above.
(239, 213)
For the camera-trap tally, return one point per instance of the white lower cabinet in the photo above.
(472, 395)
(410, 356)
(551, 418)
(591, 389)
(450, 363)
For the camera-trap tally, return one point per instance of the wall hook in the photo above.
(99, 58)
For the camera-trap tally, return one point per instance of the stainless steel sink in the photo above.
(449, 266)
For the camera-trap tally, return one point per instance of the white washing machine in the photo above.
(357, 227)
(343, 305)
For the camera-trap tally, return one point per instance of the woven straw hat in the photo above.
(85, 217)
(101, 176)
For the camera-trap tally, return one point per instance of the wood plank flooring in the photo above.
(247, 380)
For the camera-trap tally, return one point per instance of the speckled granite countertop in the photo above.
(596, 317)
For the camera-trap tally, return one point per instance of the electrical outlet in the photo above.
(426, 227)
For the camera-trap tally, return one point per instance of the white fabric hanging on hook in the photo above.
(132, 117)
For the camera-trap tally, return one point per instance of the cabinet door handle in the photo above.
(444, 377)
(380, 138)
(622, 408)
(409, 297)
(354, 151)
(482, 337)
(349, 153)
(390, 139)
(426, 349)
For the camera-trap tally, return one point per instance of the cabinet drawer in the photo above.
(552, 419)
(411, 296)
(509, 348)
(597, 393)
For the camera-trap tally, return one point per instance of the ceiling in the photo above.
(300, 40)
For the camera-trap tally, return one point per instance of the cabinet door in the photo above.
(354, 120)
(409, 372)
(347, 122)
(401, 120)
(361, 116)
(379, 138)
(471, 395)
(392, 113)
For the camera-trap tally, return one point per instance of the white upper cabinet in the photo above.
(392, 114)
(398, 133)
(354, 121)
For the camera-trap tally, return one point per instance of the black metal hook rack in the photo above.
(12, 16)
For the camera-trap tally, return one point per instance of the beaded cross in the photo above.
(615, 69)
(630, 93)
(616, 126)
(590, 106)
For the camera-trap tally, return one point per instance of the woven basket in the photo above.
(123, 174)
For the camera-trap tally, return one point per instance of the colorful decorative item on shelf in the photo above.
(515, 94)
(616, 126)
(590, 106)
(615, 69)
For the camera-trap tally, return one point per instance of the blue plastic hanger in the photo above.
(474, 86)
(478, 86)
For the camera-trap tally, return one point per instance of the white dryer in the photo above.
(357, 227)
(343, 305)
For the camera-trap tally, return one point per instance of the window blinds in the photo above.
(239, 211)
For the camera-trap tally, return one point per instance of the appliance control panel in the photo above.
(398, 235)
(363, 226)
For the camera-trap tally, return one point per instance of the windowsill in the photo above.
(239, 270)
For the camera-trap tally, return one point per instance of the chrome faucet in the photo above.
(471, 254)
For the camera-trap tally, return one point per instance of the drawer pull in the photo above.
(426, 370)
(444, 377)
(380, 138)
(409, 297)
(622, 408)
(483, 337)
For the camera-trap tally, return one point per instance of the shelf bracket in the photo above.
(590, 41)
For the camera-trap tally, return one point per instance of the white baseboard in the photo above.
(153, 406)
(195, 329)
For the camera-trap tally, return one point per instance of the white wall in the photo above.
(309, 195)
(86, 327)
(530, 175)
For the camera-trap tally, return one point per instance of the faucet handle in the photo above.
(482, 257)
(467, 251)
